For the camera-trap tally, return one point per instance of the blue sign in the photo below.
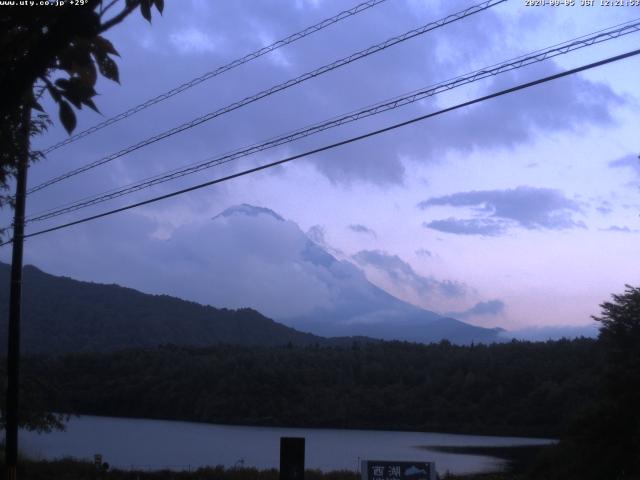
(390, 470)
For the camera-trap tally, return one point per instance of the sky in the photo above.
(527, 205)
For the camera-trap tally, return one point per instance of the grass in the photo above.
(72, 469)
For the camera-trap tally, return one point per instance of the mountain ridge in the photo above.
(268, 263)
(62, 315)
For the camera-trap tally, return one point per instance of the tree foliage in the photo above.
(605, 441)
(517, 388)
(57, 51)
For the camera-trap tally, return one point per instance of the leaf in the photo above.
(160, 5)
(109, 69)
(105, 45)
(88, 102)
(62, 83)
(73, 95)
(145, 9)
(88, 74)
(67, 117)
(34, 103)
(76, 90)
(55, 94)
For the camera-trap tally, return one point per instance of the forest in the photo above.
(517, 388)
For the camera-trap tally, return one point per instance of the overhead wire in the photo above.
(411, 97)
(395, 126)
(218, 71)
(276, 88)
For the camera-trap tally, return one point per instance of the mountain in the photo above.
(246, 256)
(358, 307)
(341, 301)
(64, 315)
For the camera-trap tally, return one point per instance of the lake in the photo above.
(157, 444)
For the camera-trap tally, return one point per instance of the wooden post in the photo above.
(291, 458)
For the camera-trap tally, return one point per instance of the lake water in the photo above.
(156, 444)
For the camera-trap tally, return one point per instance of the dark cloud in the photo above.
(362, 229)
(402, 274)
(477, 226)
(528, 207)
(199, 36)
(423, 252)
(516, 118)
(490, 307)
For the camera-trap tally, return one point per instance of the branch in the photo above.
(118, 18)
(104, 10)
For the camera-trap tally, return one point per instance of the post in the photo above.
(15, 297)
(291, 458)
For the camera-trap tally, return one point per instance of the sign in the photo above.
(389, 470)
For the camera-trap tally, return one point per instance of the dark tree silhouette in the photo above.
(57, 51)
(604, 442)
(38, 44)
(620, 339)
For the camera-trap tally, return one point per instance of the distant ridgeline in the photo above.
(62, 315)
(517, 388)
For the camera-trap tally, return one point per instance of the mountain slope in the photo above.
(65, 315)
(253, 258)
(341, 300)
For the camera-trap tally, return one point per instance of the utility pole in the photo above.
(15, 298)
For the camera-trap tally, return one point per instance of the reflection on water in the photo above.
(156, 444)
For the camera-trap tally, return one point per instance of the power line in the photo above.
(277, 88)
(519, 87)
(417, 95)
(218, 71)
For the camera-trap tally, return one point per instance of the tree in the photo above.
(604, 442)
(56, 51)
(620, 340)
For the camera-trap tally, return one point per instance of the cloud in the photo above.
(206, 27)
(527, 207)
(402, 274)
(616, 228)
(362, 229)
(605, 208)
(423, 252)
(630, 161)
(193, 40)
(490, 307)
(485, 227)
(317, 234)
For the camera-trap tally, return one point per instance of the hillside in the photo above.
(65, 315)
